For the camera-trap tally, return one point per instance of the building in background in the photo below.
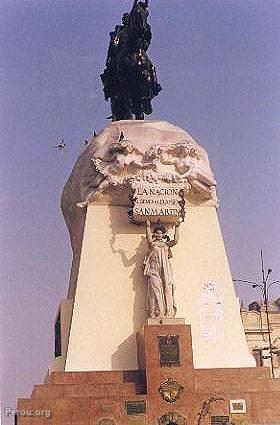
(256, 331)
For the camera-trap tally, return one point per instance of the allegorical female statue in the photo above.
(160, 294)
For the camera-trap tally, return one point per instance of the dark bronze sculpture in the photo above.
(129, 78)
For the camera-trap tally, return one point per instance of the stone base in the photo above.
(141, 397)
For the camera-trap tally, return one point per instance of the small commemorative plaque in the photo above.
(135, 407)
(219, 420)
(106, 421)
(237, 406)
(239, 419)
(169, 350)
(107, 408)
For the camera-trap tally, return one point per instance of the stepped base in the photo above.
(166, 389)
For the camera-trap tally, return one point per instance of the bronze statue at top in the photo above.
(130, 79)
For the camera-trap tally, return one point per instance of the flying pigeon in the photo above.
(61, 145)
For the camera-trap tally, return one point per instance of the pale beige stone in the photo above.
(107, 279)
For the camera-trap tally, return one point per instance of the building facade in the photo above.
(254, 320)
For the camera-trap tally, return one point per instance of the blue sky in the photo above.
(218, 63)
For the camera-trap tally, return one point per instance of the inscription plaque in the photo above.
(106, 421)
(169, 350)
(107, 408)
(219, 420)
(237, 406)
(135, 407)
(239, 419)
(157, 201)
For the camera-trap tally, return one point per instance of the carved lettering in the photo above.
(164, 201)
(159, 191)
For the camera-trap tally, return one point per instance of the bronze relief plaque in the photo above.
(173, 418)
(171, 390)
(169, 353)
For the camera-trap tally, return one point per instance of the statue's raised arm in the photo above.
(175, 240)
(149, 235)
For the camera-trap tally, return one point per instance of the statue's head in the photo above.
(146, 3)
(144, 6)
(125, 19)
(159, 232)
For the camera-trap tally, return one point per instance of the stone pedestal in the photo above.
(165, 389)
(107, 281)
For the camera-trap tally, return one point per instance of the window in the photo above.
(258, 356)
(276, 357)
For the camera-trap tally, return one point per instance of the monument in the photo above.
(143, 336)
(157, 173)
(130, 79)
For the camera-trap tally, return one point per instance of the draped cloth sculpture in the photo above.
(160, 294)
(129, 78)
